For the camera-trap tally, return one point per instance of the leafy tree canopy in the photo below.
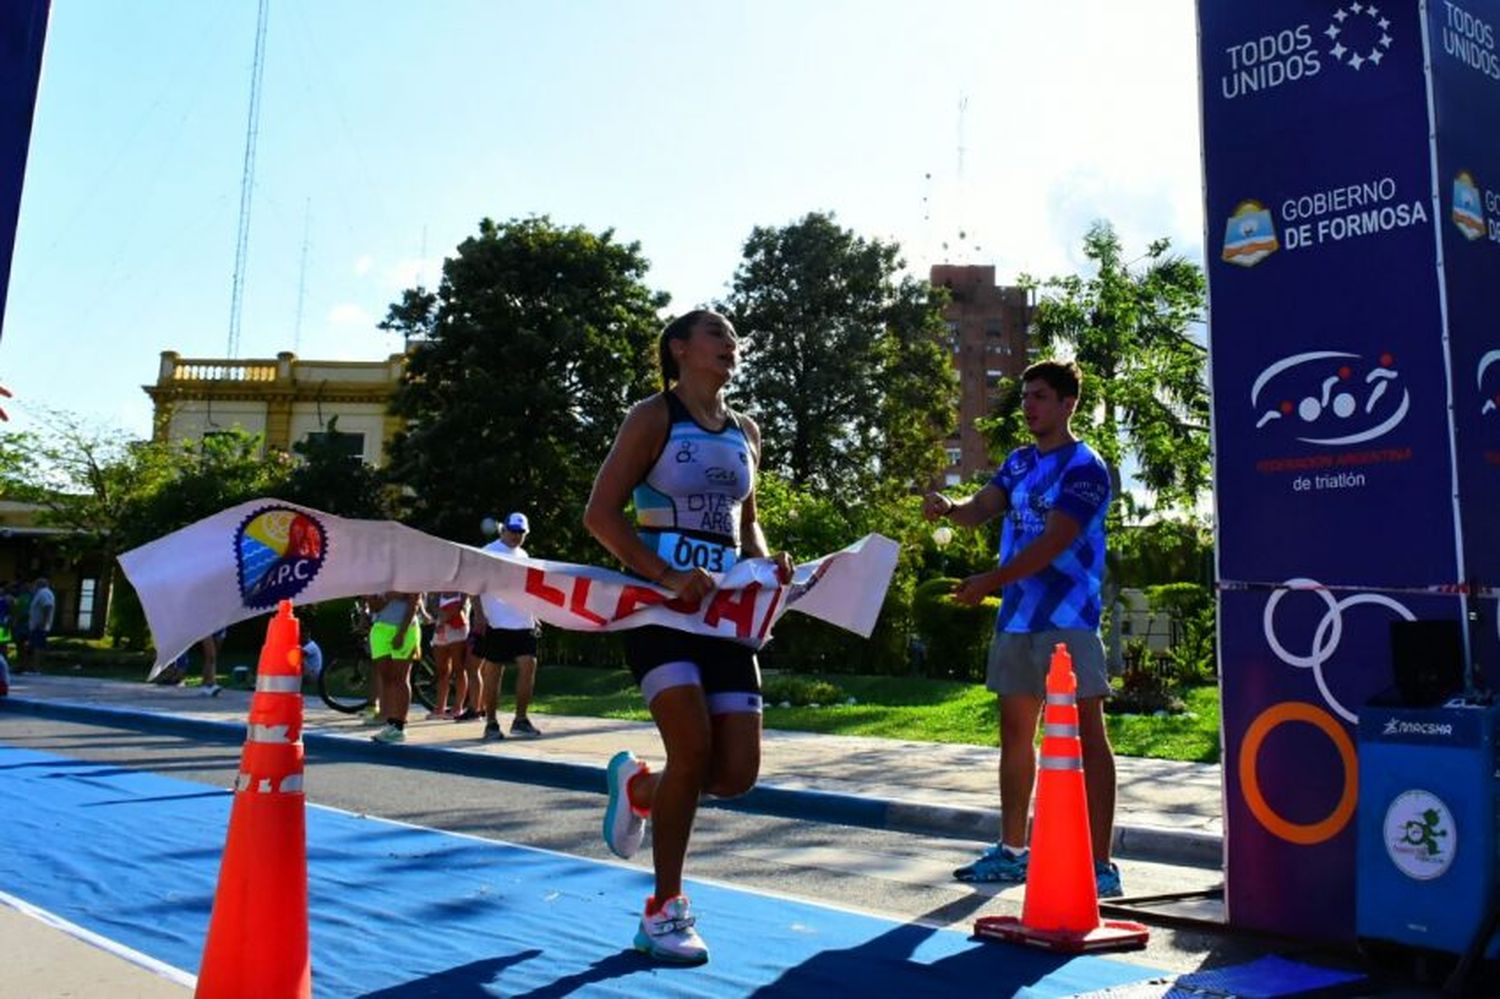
(523, 363)
(844, 369)
(1145, 398)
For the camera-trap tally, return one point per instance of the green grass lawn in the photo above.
(889, 707)
(899, 708)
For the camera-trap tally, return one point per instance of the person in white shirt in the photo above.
(43, 608)
(506, 635)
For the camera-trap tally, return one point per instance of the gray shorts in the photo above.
(1019, 661)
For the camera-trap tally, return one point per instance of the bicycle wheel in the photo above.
(344, 684)
(424, 681)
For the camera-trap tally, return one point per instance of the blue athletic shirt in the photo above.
(1065, 594)
(688, 506)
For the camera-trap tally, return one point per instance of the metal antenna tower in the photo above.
(963, 109)
(302, 275)
(247, 181)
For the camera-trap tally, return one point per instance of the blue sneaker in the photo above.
(1107, 880)
(996, 864)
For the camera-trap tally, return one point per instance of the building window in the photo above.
(350, 445)
(88, 591)
(953, 334)
(993, 330)
(952, 479)
(955, 455)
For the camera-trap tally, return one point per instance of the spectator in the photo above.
(210, 647)
(21, 615)
(41, 613)
(395, 641)
(450, 646)
(509, 636)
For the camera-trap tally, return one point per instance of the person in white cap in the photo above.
(507, 636)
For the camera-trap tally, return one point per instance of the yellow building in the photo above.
(284, 398)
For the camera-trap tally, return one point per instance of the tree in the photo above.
(199, 479)
(113, 492)
(1145, 399)
(88, 478)
(522, 365)
(843, 365)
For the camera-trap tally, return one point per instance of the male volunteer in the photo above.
(1054, 495)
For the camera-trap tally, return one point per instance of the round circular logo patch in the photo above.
(278, 551)
(1420, 837)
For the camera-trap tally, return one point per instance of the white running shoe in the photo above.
(668, 934)
(210, 690)
(389, 734)
(624, 827)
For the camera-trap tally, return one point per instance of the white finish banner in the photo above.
(240, 562)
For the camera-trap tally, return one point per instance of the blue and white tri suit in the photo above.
(688, 509)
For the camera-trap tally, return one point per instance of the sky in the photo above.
(968, 131)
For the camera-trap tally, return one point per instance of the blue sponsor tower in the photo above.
(1352, 196)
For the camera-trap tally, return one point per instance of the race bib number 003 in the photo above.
(683, 552)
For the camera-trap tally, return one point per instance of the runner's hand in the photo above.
(690, 585)
(784, 566)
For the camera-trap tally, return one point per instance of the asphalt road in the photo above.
(893, 874)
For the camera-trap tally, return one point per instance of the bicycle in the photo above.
(345, 681)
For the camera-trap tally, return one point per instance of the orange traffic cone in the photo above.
(1061, 910)
(257, 939)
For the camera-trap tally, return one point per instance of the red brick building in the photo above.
(988, 328)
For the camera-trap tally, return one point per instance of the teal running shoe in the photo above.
(624, 827)
(996, 864)
(668, 935)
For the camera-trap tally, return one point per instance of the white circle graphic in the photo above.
(1326, 636)
(1420, 837)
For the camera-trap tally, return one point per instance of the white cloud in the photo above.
(363, 264)
(413, 271)
(349, 314)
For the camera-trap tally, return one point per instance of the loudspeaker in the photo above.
(1428, 660)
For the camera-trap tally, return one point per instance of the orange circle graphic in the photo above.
(1302, 834)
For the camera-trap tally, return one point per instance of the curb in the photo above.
(1144, 842)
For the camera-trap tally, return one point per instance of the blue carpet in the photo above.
(402, 911)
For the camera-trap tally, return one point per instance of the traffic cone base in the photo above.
(1110, 934)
